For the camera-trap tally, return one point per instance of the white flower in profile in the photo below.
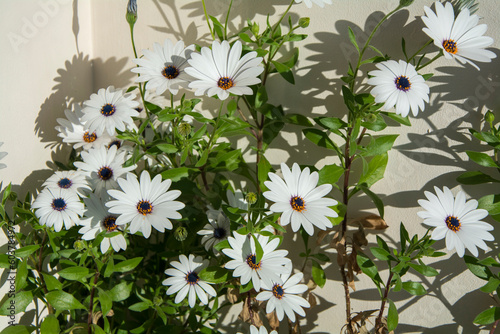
(185, 280)
(397, 84)
(456, 220)
(145, 204)
(220, 70)
(69, 180)
(260, 330)
(56, 207)
(101, 220)
(72, 131)
(460, 38)
(163, 68)
(301, 202)
(284, 298)
(109, 110)
(217, 230)
(2, 155)
(244, 260)
(103, 167)
(320, 3)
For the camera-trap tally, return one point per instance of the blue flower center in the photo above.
(144, 207)
(251, 259)
(116, 143)
(58, 204)
(89, 137)
(297, 204)
(170, 72)
(450, 46)
(105, 173)
(453, 223)
(64, 183)
(225, 83)
(108, 109)
(219, 233)
(278, 291)
(403, 83)
(109, 223)
(192, 278)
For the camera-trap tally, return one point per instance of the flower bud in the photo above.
(184, 128)
(131, 15)
(304, 22)
(489, 117)
(180, 233)
(370, 118)
(405, 3)
(255, 29)
(79, 245)
(157, 300)
(187, 103)
(251, 198)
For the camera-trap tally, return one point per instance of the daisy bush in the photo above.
(158, 222)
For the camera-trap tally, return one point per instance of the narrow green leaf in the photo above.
(175, 174)
(297, 119)
(415, 288)
(380, 253)
(318, 274)
(260, 96)
(18, 329)
(379, 145)
(127, 265)
(369, 268)
(26, 251)
(16, 302)
(424, 270)
(376, 200)
(374, 170)
(167, 148)
(264, 167)
(491, 203)
(74, 273)
(319, 138)
(476, 268)
(488, 316)
(352, 38)
(259, 252)
(475, 177)
(140, 306)
(214, 274)
(392, 316)
(63, 301)
(397, 118)
(491, 286)
(482, 159)
(104, 300)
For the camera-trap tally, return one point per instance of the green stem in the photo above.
(419, 50)
(430, 61)
(227, 19)
(208, 19)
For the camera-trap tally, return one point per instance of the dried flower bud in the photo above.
(304, 22)
(251, 198)
(184, 129)
(180, 233)
(131, 15)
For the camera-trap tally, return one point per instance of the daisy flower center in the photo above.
(251, 259)
(192, 278)
(109, 223)
(219, 233)
(402, 83)
(450, 46)
(298, 204)
(59, 204)
(278, 291)
(108, 109)
(225, 83)
(170, 72)
(453, 223)
(64, 183)
(89, 137)
(116, 143)
(105, 173)
(144, 207)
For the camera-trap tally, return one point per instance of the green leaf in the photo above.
(476, 268)
(121, 291)
(392, 316)
(175, 174)
(51, 282)
(264, 167)
(488, 316)
(127, 265)
(398, 118)
(331, 123)
(491, 286)
(221, 245)
(380, 253)
(374, 170)
(415, 288)
(214, 274)
(424, 270)
(284, 71)
(245, 38)
(104, 300)
(376, 200)
(260, 96)
(403, 236)
(475, 177)
(318, 274)
(26, 251)
(218, 27)
(321, 257)
(319, 138)
(379, 145)
(482, 159)
(352, 38)
(167, 148)
(140, 306)
(18, 329)
(369, 268)
(18, 303)
(297, 119)
(330, 174)
(377, 125)
(259, 252)
(349, 99)
(21, 275)
(491, 203)
(50, 325)
(63, 301)
(399, 284)
(74, 273)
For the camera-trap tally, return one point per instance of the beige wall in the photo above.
(57, 52)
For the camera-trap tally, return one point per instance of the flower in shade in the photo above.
(163, 68)
(320, 3)
(2, 155)
(260, 330)
(461, 37)
(103, 167)
(109, 110)
(72, 131)
(456, 220)
(301, 202)
(284, 298)
(244, 259)
(185, 280)
(220, 70)
(397, 84)
(145, 203)
(101, 220)
(70, 180)
(56, 207)
(217, 230)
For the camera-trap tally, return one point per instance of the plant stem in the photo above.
(430, 61)
(227, 18)
(208, 19)
(91, 304)
(419, 50)
(378, 321)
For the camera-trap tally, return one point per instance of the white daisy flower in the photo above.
(260, 330)
(2, 155)
(71, 180)
(217, 230)
(284, 298)
(101, 220)
(456, 220)
(243, 253)
(460, 38)
(186, 282)
(55, 207)
(398, 84)
(221, 71)
(109, 110)
(320, 3)
(299, 199)
(72, 131)
(146, 203)
(163, 68)
(103, 167)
